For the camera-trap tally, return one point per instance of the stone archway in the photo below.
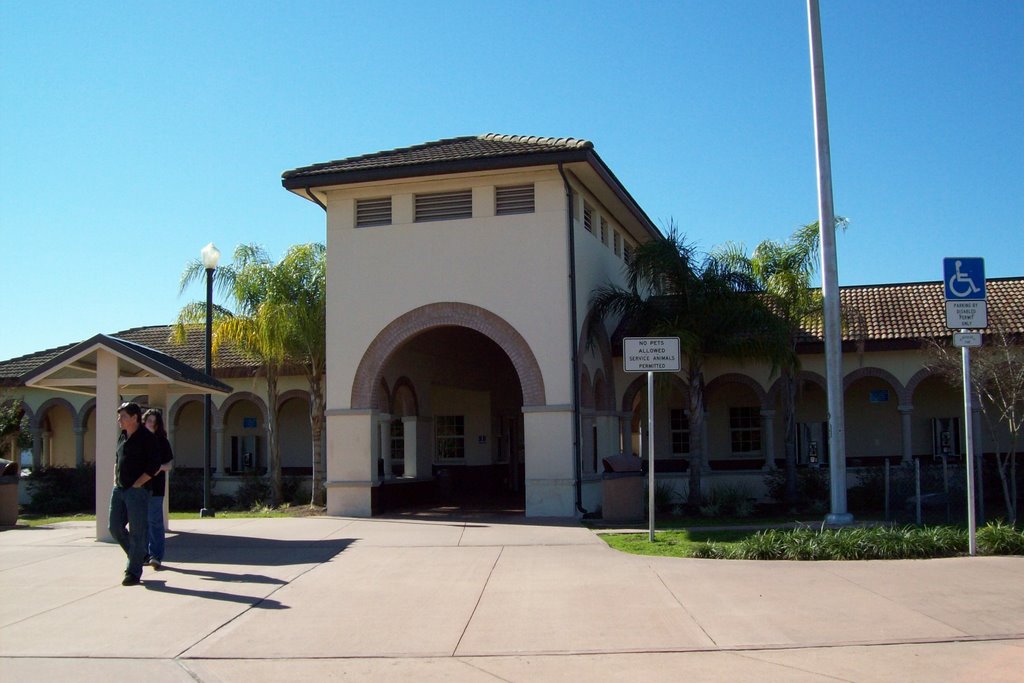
(365, 386)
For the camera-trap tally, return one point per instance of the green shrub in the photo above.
(711, 551)
(254, 492)
(62, 490)
(812, 487)
(764, 545)
(996, 538)
(186, 491)
(730, 501)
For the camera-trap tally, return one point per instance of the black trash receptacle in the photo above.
(622, 489)
(9, 479)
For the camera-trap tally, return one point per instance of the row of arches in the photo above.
(64, 435)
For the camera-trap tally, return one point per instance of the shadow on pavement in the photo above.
(257, 602)
(187, 547)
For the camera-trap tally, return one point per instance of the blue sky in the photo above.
(131, 134)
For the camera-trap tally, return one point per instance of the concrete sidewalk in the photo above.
(481, 599)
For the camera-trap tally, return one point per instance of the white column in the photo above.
(550, 472)
(626, 432)
(107, 400)
(768, 438)
(351, 461)
(409, 441)
(906, 412)
(384, 429)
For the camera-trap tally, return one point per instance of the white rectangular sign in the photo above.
(971, 340)
(967, 315)
(650, 354)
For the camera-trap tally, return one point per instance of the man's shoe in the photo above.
(130, 580)
(154, 563)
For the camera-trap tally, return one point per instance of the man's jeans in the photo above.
(156, 527)
(130, 507)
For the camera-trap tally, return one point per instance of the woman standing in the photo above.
(153, 419)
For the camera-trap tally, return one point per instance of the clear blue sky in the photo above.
(133, 133)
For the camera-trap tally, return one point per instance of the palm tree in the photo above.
(783, 271)
(714, 310)
(298, 307)
(250, 329)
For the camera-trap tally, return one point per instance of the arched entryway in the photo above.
(446, 386)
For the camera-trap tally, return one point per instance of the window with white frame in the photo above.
(449, 437)
(370, 212)
(745, 429)
(397, 440)
(513, 199)
(680, 426)
(442, 206)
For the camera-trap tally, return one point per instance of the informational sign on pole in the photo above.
(650, 355)
(963, 280)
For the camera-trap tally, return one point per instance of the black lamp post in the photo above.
(211, 256)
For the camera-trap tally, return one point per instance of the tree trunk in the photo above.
(273, 440)
(316, 423)
(696, 389)
(789, 384)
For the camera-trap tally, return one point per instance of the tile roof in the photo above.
(917, 310)
(874, 313)
(228, 363)
(470, 147)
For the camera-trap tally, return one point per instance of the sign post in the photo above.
(650, 355)
(963, 280)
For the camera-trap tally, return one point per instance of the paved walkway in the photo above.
(481, 599)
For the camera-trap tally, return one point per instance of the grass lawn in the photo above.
(677, 543)
(284, 511)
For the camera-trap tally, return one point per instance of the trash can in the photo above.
(622, 489)
(9, 476)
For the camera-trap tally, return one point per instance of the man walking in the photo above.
(138, 460)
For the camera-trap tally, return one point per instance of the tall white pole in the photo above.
(829, 278)
(650, 456)
(972, 538)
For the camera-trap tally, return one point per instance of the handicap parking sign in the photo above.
(964, 278)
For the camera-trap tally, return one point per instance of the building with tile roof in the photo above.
(459, 273)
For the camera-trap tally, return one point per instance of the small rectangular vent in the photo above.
(441, 206)
(373, 212)
(588, 217)
(618, 243)
(513, 199)
(604, 231)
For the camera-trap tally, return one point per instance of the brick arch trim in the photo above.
(244, 396)
(82, 416)
(860, 373)
(639, 385)
(41, 411)
(171, 416)
(802, 376)
(737, 378)
(404, 387)
(293, 393)
(446, 314)
(602, 347)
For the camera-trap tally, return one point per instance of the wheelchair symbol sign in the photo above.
(964, 278)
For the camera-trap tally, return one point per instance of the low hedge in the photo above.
(866, 543)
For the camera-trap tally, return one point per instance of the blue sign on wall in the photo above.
(964, 278)
(248, 423)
